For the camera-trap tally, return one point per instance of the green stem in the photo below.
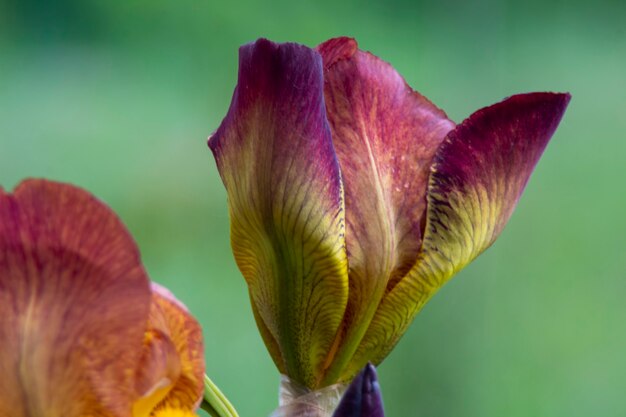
(215, 402)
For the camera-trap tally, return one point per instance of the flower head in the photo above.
(353, 198)
(83, 332)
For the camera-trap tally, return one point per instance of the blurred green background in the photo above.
(119, 97)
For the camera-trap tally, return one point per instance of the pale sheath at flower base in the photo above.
(353, 198)
(83, 332)
(361, 398)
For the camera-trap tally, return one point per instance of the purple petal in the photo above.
(363, 397)
(478, 175)
(385, 135)
(276, 159)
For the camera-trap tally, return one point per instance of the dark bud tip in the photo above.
(363, 397)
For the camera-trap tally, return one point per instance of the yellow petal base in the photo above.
(172, 412)
(144, 406)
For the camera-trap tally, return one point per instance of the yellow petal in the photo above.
(174, 412)
(158, 370)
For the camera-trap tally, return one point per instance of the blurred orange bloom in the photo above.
(83, 331)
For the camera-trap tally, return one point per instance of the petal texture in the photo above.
(385, 136)
(478, 175)
(276, 159)
(172, 318)
(74, 300)
(159, 368)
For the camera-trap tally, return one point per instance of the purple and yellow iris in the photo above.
(353, 198)
(82, 330)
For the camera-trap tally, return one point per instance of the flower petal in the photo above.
(174, 412)
(363, 397)
(276, 159)
(478, 175)
(74, 300)
(385, 136)
(171, 317)
(159, 368)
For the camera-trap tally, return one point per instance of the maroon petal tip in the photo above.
(532, 116)
(273, 73)
(337, 49)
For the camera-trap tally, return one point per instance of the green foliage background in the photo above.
(119, 97)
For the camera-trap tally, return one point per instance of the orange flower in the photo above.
(83, 331)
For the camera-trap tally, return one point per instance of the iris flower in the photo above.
(82, 330)
(353, 198)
